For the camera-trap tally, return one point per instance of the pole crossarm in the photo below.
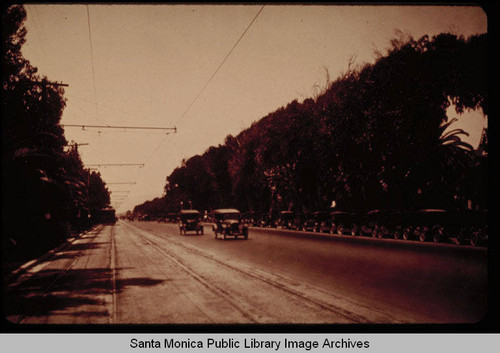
(47, 83)
(117, 165)
(121, 127)
(77, 144)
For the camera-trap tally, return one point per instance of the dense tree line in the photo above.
(376, 137)
(46, 190)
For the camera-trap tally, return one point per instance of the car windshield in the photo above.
(227, 216)
(190, 216)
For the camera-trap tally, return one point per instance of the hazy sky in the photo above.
(145, 65)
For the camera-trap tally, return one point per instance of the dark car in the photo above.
(172, 217)
(271, 220)
(382, 223)
(473, 226)
(286, 220)
(424, 224)
(190, 220)
(315, 221)
(343, 222)
(462, 225)
(228, 222)
(308, 223)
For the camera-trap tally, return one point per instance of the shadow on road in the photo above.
(52, 291)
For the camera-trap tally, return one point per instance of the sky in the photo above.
(207, 70)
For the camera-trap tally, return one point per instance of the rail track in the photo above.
(312, 296)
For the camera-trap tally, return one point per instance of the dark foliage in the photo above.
(46, 190)
(377, 137)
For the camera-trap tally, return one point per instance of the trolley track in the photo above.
(327, 302)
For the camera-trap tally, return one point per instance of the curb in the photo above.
(30, 264)
(404, 244)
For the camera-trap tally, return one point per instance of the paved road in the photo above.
(146, 272)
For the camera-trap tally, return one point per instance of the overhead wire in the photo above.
(111, 107)
(220, 65)
(93, 76)
(92, 61)
(208, 81)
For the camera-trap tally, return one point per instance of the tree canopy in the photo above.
(376, 137)
(45, 186)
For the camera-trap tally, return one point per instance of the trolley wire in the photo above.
(220, 65)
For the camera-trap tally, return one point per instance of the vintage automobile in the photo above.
(322, 222)
(271, 220)
(343, 222)
(314, 221)
(382, 223)
(423, 224)
(190, 220)
(285, 220)
(457, 224)
(473, 226)
(228, 222)
(172, 217)
(308, 223)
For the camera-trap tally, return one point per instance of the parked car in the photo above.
(381, 223)
(424, 224)
(271, 220)
(285, 220)
(321, 221)
(190, 220)
(228, 222)
(473, 227)
(343, 222)
(315, 221)
(461, 225)
(308, 223)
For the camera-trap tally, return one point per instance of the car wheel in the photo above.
(437, 234)
(397, 234)
(474, 239)
(340, 230)
(460, 236)
(422, 235)
(406, 234)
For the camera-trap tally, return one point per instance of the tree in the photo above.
(45, 185)
(376, 137)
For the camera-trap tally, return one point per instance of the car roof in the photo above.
(226, 210)
(189, 211)
(432, 210)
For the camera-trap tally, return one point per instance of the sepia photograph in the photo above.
(245, 164)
